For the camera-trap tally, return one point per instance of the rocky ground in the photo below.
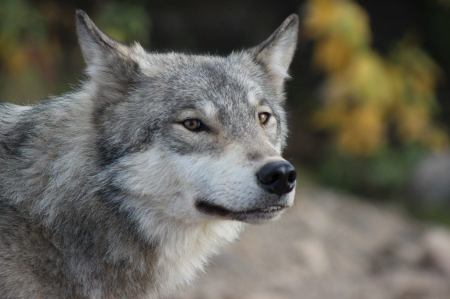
(331, 246)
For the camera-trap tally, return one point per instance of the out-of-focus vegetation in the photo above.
(36, 54)
(124, 22)
(27, 55)
(369, 100)
(379, 111)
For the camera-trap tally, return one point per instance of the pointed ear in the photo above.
(103, 55)
(275, 54)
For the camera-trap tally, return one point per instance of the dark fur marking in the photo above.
(14, 140)
(112, 146)
(108, 153)
(254, 156)
(111, 196)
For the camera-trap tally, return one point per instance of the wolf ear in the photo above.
(275, 54)
(105, 57)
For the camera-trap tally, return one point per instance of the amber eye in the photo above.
(264, 117)
(192, 124)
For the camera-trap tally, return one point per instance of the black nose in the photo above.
(277, 177)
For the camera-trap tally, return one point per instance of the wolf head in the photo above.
(191, 137)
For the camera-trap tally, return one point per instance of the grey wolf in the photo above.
(124, 187)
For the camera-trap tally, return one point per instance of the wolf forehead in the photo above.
(229, 89)
(231, 84)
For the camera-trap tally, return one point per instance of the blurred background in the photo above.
(369, 99)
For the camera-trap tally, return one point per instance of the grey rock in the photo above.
(437, 242)
(430, 180)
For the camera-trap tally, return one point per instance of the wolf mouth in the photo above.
(264, 213)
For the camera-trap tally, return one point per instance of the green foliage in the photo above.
(38, 52)
(20, 25)
(432, 213)
(383, 174)
(125, 22)
(19, 21)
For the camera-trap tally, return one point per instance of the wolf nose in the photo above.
(277, 177)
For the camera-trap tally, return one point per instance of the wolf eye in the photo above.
(264, 117)
(192, 124)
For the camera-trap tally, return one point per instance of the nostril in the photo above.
(292, 176)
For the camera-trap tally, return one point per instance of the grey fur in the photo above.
(86, 212)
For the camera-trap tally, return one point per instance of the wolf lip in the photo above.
(216, 210)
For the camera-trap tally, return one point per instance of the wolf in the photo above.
(124, 187)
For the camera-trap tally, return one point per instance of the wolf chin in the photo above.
(124, 187)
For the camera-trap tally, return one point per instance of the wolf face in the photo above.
(196, 137)
(123, 188)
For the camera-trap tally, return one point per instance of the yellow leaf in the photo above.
(18, 61)
(413, 122)
(331, 54)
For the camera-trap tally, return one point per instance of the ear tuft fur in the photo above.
(275, 54)
(107, 60)
(93, 42)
